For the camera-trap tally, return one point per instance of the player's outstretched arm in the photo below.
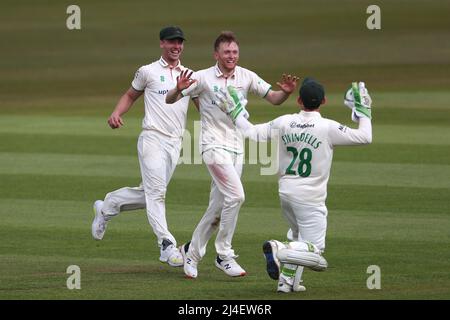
(184, 81)
(231, 102)
(358, 99)
(287, 85)
(125, 102)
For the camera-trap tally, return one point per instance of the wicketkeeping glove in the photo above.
(358, 99)
(232, 102)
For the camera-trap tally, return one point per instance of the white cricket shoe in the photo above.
(190, 265)
(284, 286)
(170, 254)
(230, 267)
(299, 288)
(99, 224)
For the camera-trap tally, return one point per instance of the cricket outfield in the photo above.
(388, 202)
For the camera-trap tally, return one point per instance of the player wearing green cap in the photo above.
(159, 145)
(306, 142)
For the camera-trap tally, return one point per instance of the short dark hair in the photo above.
(225, 36)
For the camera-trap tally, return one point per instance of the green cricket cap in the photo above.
(311, 92)
(171, 32)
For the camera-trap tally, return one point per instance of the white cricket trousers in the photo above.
(308, 223)
(123, 199)
(158, 156)
(225, 200)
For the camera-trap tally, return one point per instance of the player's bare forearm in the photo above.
(287, 85)
(125, 102)
(173, 96)
(277, 97)
(184, 81)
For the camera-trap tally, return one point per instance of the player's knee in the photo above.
(156, 194)
(241, 198)
(113, 197)
(232, 202)
(235, 199)
(111, 202)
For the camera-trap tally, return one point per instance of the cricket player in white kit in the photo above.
(159, 145)
(305, 147)
(221, 147)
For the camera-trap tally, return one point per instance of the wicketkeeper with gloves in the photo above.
(305, 141)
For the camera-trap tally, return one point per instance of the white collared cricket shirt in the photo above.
(156, 79)
(217, 130)
(305, 150)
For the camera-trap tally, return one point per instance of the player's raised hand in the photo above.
(184, 80)
(115, 121)
(288, 83)
(358, 99)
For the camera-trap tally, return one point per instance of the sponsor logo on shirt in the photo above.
(294, 124)
(342, 128)
(162, 78)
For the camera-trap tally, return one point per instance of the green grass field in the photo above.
(389, 203)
